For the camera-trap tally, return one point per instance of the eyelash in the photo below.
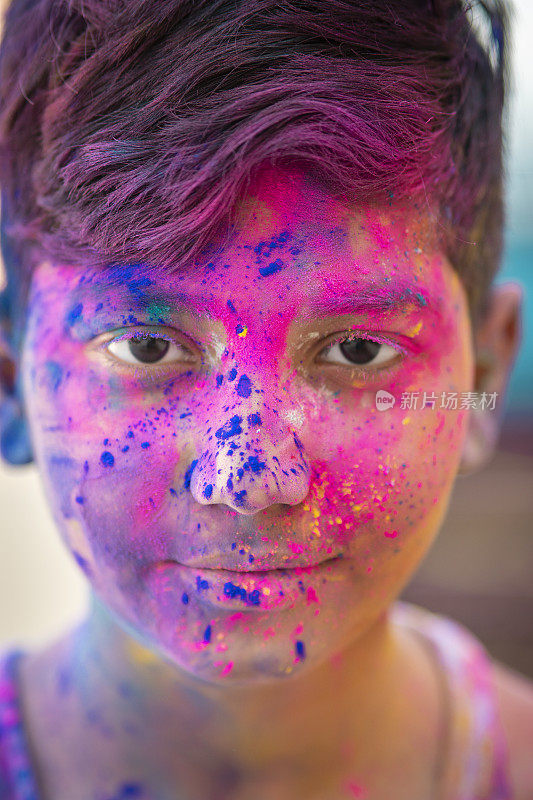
(369, 373)
(145, 372)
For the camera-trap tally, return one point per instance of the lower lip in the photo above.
(242, 591)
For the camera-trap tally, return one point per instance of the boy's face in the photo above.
(199, 432)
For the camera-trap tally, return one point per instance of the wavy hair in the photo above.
(129, 128)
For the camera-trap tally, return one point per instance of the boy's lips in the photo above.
(302, 561)
(238, 590)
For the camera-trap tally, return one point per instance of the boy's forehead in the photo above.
(293, 200)
(288, 236)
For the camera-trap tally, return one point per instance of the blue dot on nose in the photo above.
(107, 459)
(208, 491)
(244, 386)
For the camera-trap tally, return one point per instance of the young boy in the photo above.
(239, 238)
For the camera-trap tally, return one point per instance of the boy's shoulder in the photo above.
(515, 700)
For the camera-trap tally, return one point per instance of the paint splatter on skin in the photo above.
(270, 440)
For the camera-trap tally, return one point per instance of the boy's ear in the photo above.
(15, 443)
(497, 339)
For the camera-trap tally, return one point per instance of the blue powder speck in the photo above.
(239, 497)
(130, 790)
(74, 314)
(185, 598)
(231, 428)
(144, 445)
(208, 491)
(275, 266)
(188, 474)
(244, 386)
(232, 374)
(300, 649)
(107, 459)
(207, 634)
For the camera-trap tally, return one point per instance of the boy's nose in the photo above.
(252, 460)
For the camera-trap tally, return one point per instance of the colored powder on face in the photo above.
(232, 374)
(185, 598)
(74, 314)
(254, 419)
(232, 590)
(201, 583)
(188, 474)
(82, 562)
(144, 445)
(55, 373)
(107, 459)
(231, 428)
(208, 491)
(254, 465)
(207, 634)
(158, 310)
(231, 307)
(241, 330)
(244, 386)
(300, 649)
(239, 497)
(275, 266)
(220, 378)
(129, 790)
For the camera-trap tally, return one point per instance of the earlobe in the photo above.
(15, 442)
(496, 342)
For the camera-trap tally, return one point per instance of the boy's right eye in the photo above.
(148, 350)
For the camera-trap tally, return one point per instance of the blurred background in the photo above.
(480, 570)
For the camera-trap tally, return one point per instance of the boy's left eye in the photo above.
(148, 350)
(356, 351)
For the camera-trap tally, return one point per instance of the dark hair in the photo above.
(128, 128)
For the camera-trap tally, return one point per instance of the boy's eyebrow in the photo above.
(374, 296)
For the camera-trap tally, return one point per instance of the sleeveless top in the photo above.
(474, 765)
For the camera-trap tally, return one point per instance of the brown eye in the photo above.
(356, 351)
(148, 349)
(359, 351)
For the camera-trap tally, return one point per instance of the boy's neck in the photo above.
(335, 720)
